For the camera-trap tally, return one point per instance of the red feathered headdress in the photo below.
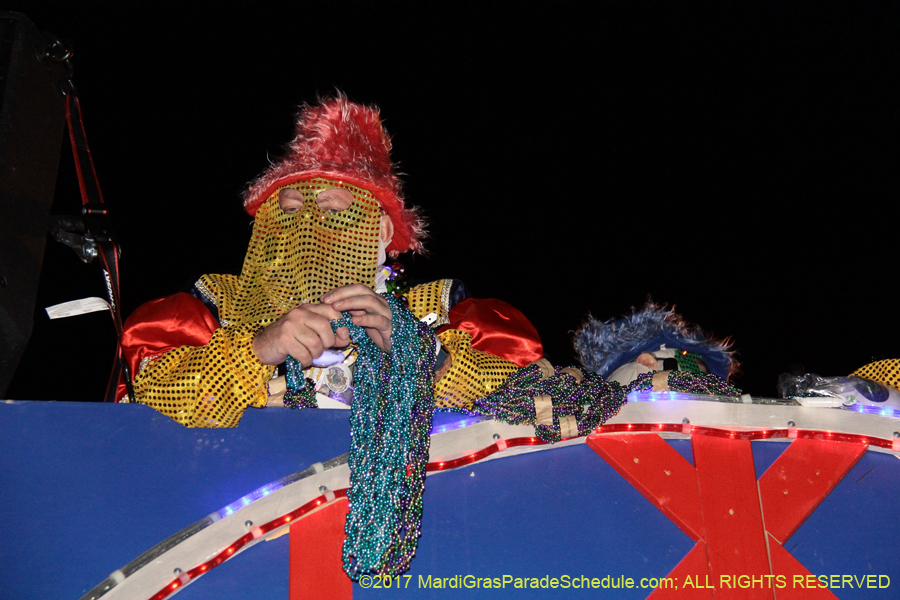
(343, 141)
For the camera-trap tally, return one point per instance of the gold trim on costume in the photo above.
(201, 287)
(445, 302)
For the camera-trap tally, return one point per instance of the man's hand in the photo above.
(302, 333)
(367, 309)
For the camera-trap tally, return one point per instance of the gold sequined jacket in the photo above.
(192, 358)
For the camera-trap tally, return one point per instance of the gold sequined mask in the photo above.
(297, 257)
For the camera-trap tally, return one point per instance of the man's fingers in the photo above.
(311, 326)
(354, 289)
(303, 333)
(312, 341)
(300, 353)
(368, 303)
(324, 310)
(367, 310)
(372, 322)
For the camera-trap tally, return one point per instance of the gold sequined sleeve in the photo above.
(432, 297)
(883, 371)
(472, 373)
(189, 366)
(206, 386)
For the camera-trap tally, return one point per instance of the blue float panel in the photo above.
(86, 488)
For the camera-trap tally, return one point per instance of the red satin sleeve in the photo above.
(162, 325)
(497, 328)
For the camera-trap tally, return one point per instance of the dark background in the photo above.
(737, 159)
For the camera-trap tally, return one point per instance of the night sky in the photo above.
(736, 159)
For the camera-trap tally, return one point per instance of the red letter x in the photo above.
(739, 523)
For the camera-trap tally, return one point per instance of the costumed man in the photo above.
(326, 216)
(658, 343)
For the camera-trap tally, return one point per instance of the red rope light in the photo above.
(484, 452)
(240, 543)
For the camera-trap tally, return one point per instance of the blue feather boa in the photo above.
(604, 346)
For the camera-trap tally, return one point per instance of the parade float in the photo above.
(675, 495)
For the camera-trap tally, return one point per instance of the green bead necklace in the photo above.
(390, 419)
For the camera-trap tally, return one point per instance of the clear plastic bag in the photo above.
(814, 390)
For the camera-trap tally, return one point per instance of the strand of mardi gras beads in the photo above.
(300, 391)
(592, 401)
(390, 419)
(687, 382)
(389, 423)
(711, 385)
